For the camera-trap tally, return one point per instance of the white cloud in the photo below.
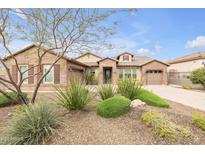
(157, 48)
(139, 28)
(145, 52)
(199, 42)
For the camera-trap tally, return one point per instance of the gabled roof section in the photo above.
(87, 54)
(125, 53)
(156, 61)
(108, 58)
(189, 57)
(140, 61)
(43, 48)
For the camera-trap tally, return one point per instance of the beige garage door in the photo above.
(154, 77)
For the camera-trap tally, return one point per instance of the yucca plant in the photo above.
(129, 88)
(106, 91)
(33, 124)
(76, 96)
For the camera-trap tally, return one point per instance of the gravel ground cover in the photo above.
(85, 127)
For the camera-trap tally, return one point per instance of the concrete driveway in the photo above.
(190, 98)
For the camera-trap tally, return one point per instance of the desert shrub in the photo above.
(199, 120)
(160, 124)
(90, 78)
(106, 91)
(151, 98)
(113, 107)
(76, 96)
(129, 88)
(4, 101)
(198, 76)
(186, 86)
(32, 124)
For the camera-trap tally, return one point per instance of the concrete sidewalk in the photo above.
(186, 97)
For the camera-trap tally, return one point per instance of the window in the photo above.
(24, 72)
(120, 74)
(49, 78)
(125, 58)
(127, 73)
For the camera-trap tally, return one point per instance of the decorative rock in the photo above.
(136, 103)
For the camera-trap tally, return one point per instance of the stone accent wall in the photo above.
(107, 63)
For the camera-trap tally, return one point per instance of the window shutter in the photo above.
(40, 67)
(31, 72)
(57, 74)
(14, 73)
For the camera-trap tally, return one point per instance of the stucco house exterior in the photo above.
(180, 68)
(60, 75)
(107, 70)
(146, 69)
(187, 63)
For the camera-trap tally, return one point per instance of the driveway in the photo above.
(190, 98)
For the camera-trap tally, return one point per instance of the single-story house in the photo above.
(108, 69)
(146, 69)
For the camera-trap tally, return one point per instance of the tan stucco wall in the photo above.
(154, 66)
(107, 63)
(30, 57)
(88, 58)
(121, 57)
(187, 66)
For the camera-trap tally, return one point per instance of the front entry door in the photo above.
(107, 75)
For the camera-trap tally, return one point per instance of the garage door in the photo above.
(154, 77)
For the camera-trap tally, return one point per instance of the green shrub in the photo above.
(185, 86)
(4, 101)
(106, 91)
(198, 76)
(199, 120)
(129, 88)
(32, 124)
(113, 107)
(76, 96)
(161, 125)
(151, 98)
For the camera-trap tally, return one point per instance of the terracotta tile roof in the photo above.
(190, 57)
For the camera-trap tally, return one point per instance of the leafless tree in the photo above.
(60, 30)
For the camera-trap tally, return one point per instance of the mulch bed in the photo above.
(85, 127)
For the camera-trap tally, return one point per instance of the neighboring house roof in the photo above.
(50, 51)
(124, 53)
(87, 54)
(107, 58)
(190, 57)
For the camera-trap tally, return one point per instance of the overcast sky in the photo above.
(160, 33)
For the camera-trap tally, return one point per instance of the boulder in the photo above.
(136, 103)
